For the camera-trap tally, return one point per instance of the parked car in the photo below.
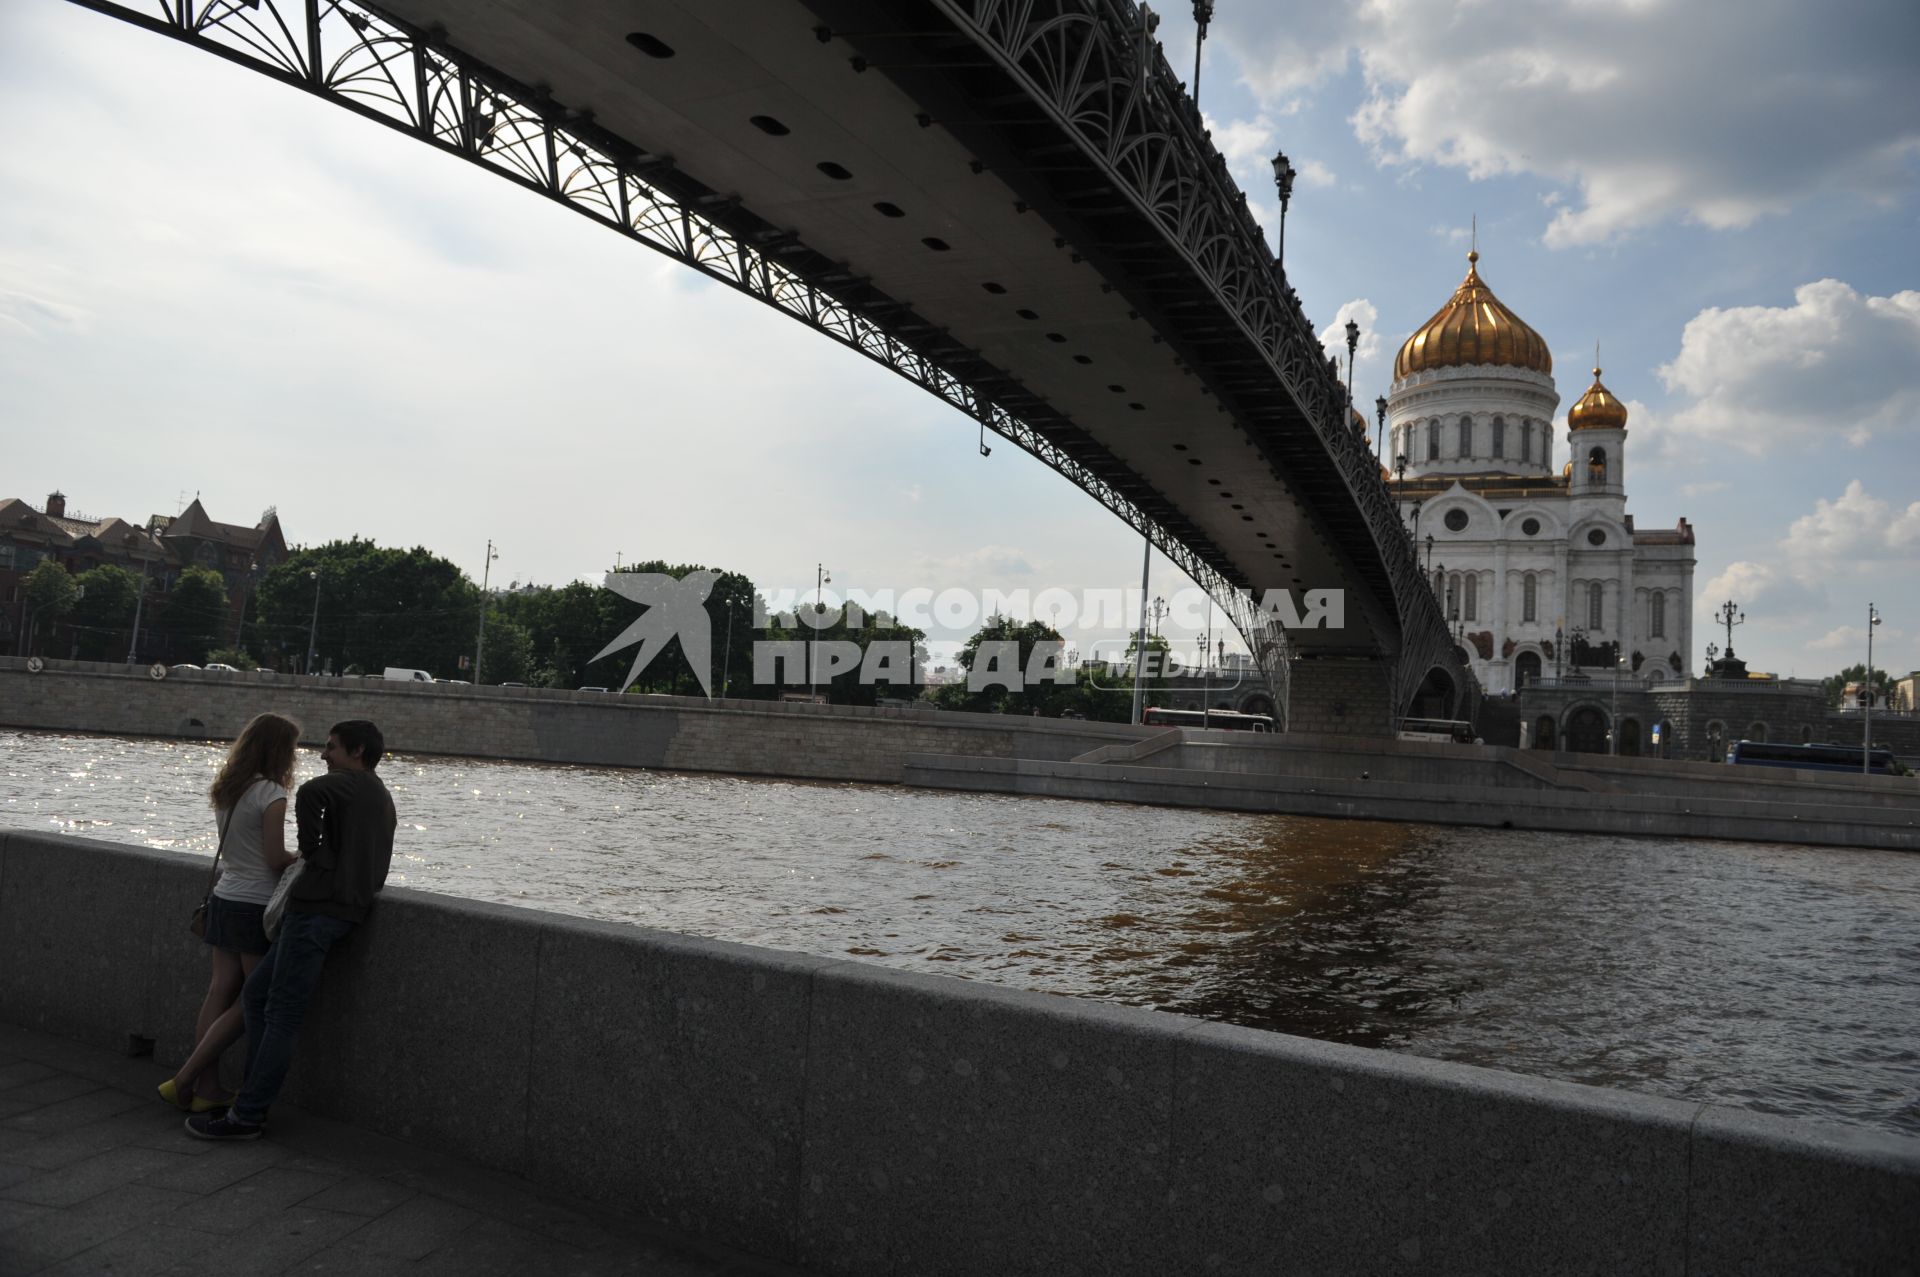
(592, 689)
(223, 668)
(400, 674)
(182, 666)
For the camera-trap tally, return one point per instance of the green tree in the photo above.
(863, 630)
(102, 619)
(508, 657)
(51, 594)
(573, 622)
(1836, 685)
(1049, 699)
(236, 657)
(559, 669)
(377, 607)
(193, 618)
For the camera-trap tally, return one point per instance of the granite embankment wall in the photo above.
(1329, 775)
(867, 1121)
(764, 738)
(1343, 776)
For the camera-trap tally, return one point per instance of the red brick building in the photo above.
(159, 549)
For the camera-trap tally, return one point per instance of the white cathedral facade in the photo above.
(1534, 557)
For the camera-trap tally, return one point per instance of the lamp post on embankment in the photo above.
(1613, 725)
(1866, 744)
(313, 626)
(480, 639)
(821, 579)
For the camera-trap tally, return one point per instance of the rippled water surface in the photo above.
(1778, 978)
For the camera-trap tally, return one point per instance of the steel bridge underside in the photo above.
(901, 163)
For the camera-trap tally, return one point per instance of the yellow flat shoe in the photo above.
(171, 1094)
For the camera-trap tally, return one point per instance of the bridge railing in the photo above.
(1097, 70)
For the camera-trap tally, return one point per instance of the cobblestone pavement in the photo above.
(97, 1176)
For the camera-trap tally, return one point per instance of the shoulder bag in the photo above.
(198, 925)
(277, 904)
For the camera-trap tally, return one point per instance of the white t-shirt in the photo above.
(243, 866)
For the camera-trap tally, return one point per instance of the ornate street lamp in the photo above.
(1380, 430)
(1730, 615)
(1353, 344)
(1202, 15)
(1283, 176)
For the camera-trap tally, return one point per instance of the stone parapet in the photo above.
(866, 1121)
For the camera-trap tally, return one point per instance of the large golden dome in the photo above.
(1472, 328)
(1597, 409)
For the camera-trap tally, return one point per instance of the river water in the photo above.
(1779, 978)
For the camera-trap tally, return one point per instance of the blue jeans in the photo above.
(275, 1002)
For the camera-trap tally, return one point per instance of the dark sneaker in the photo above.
(219, 1126)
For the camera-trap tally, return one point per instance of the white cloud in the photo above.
(1314, 174)
(1777, 591)
(1843, 543)
(1852, 638)
(1706, 488)
(1833, 364)
(34, 316)
(1333, 338)
(1715, 111)
(1856, 527)
(990, 564)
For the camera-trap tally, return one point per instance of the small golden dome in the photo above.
(1566, 471)
(1597, 409)
(1472, 328)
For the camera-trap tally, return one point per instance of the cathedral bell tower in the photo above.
(1597, 443)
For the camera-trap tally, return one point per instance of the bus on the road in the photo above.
(1813, 758)
(1219, 719)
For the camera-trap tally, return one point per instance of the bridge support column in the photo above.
(1345, 696)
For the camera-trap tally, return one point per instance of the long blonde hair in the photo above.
(265, 749)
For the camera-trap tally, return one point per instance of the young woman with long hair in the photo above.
(249, 797)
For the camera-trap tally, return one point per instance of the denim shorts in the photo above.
(236, 925)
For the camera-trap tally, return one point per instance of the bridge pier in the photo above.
(1346, 696)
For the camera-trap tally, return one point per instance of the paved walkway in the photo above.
(97, 1176)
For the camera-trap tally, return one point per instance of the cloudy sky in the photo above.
(212, 284)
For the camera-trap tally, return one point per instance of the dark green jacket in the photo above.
(345, 822)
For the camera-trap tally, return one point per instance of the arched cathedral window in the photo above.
(1466, 437)
(1596, 613)
(1433, 441)
(1657, 618)
(1473, 597)
(1597, 466)
(1529, 599)
(1500, 436)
